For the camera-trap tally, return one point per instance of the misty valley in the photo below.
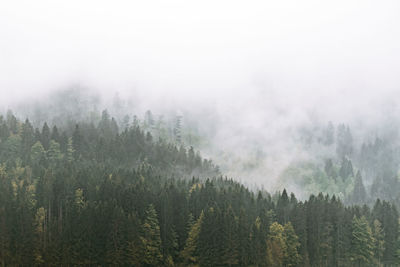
(200, 133)
(82, 187)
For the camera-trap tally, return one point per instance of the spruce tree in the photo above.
(151, 239)
(362, 242)
(359, 195)
(45, 136)
(379, 241)
(292, 257)
(189, 254)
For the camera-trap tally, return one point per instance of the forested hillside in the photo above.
(97, 193)
(356, 168)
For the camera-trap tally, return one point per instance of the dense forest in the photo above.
(98, 193)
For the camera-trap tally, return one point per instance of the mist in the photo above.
(251, 74)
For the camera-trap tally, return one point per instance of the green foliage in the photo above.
(97, 196)
(151, 240)
(359, 195)
(189, 254)
(292, 245)
(277, 250)
(379, 241)
(54, 153)
(362, 241)
(38, 153)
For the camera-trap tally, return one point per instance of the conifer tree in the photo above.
(12, 122)
(230, 255)
(276, 245)
(379, 241)
(37, 153)
(45, 136)
(54, 153)
(70, 150)
(362, 242)
(189, 254)
(55, 135)
(178, 129)
(359, 195)
(151, 239)
(292, 257)
(27, 140)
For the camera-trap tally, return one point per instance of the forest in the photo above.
(200, 133)
(98, 193)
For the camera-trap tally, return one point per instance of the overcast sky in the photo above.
(285, 48)
(262, 65)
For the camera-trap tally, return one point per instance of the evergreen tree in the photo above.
(54, 153)
(359, 195)
(379, 241)
(283, 208)
(292, 244)
(55, 134)
(189, 254)
(276, 245)
(344, 141)
(37, 153)
(230, 255)
(27, 140)
(178, 129)
(330, 169)
(151, 239)
(362, 242)
(12, 122)
(346, 169)
(45, 136)
(70, 150)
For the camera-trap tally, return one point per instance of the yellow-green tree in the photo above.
(188, 254)
(276, 245)
(362, 242)
(151, 239)
(379, 241)
(292, 257)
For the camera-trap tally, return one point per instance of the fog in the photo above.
(250, 72)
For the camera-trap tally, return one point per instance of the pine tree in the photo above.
(230, 255)
(70, 150)
(178, 129)
(55, 135)
(283, 208)
(346, 169)
(78, 141)
(12, 122)
(359, 195)
(40, 235)
(362, 242)
(45, 136)
(37, 153)
(379, 241)
(151, 239)
(4, 132)
(189, 254)
(54, 153)
(344, 141)
(27, 140)
(292, 257)
(210, 242)
(276, 245)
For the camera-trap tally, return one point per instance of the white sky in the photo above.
(186, 47)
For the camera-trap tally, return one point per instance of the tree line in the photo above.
(97, 195)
